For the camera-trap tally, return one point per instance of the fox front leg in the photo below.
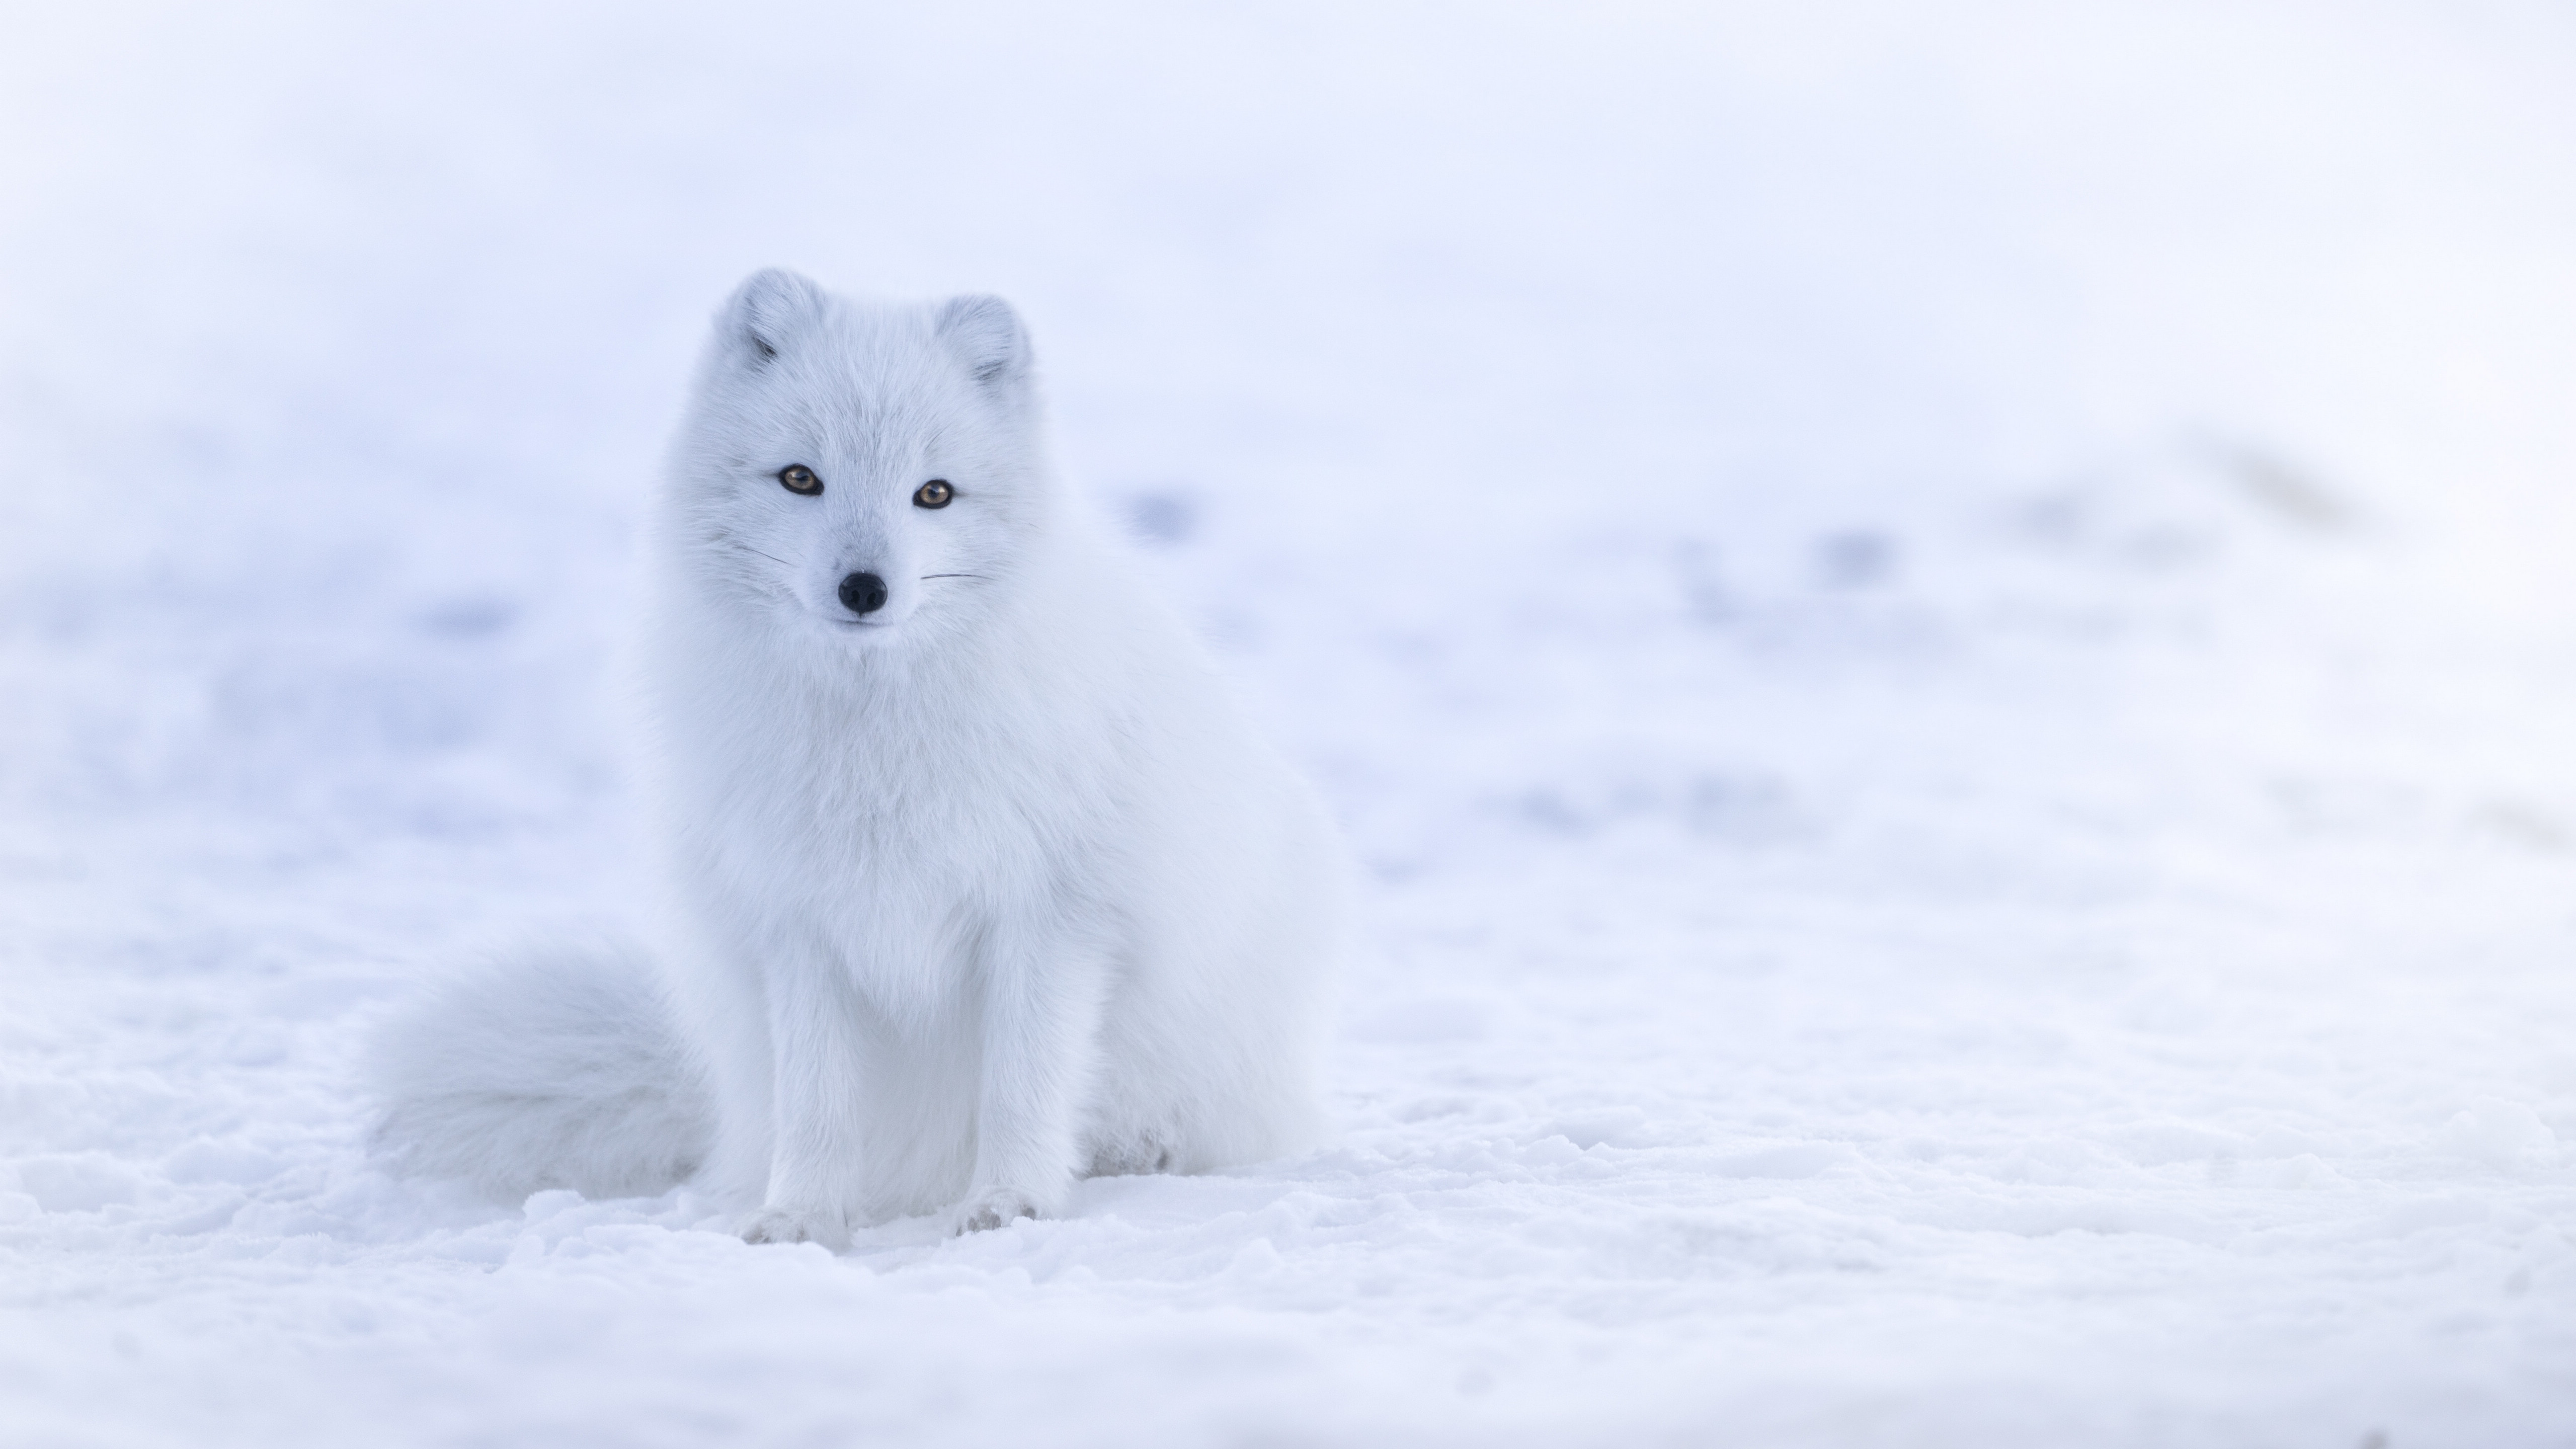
(817, 1035)
(1041, 1027)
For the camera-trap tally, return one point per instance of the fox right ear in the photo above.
(766, 312)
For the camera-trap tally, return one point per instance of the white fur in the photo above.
(557, 1069)
(984, 891)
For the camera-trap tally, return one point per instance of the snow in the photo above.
(1942, 635)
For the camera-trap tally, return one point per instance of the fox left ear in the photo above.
(771, 307)
(987, 336)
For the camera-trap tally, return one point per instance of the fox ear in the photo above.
(766, 312)
(987, 336)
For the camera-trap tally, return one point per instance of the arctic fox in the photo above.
(975, 881)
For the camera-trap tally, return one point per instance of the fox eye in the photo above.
(800, 479)
(933, 494)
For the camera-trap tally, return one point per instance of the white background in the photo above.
(1943, 633)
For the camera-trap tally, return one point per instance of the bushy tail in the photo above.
(555, 1069)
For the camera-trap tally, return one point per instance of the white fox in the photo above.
(976, 880)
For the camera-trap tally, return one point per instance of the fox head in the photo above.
(866, 471)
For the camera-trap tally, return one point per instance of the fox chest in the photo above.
(891, 847)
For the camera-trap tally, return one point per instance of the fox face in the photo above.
(866, 472)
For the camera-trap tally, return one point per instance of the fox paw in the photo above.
(992, 1208)
(796, 1225)
(1132, 1159)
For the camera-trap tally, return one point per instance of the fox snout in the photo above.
(863, 593)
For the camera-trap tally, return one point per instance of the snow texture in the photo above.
(1944, 634)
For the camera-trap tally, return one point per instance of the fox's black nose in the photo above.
(863, 593)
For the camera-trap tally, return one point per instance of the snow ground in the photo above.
(1942, 634)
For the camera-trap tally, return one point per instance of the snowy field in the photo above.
(1944, 635)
